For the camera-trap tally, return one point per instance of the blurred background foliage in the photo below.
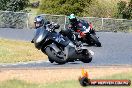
(91, 8)
(64, 7)
(13, 5)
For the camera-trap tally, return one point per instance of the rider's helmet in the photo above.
(39, 21)
(72, 19)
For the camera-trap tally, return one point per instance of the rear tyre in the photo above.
(88, 57)
(95, 40)
(98, 44)
(87, 60)
(54, 57)
(89, 42)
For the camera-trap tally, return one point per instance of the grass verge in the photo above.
(12, 51)
(63, 84)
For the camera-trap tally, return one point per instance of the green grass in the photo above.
(12, 51)
(64, 84)
(75, 83)
(16, 84)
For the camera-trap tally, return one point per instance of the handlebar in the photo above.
(52, 27)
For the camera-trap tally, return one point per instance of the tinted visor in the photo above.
(37, 24)
(73, 20)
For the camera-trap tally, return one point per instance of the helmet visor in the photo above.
(37, 24)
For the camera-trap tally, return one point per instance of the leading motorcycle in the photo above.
(58, 48)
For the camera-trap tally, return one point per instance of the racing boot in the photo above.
(78, 46)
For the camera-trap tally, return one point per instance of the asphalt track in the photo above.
(116, 50)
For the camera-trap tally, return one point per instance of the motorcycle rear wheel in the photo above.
(95, 41)
(87, 60)
(88, 57)
(98, 44)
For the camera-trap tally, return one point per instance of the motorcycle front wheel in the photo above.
(54, 56)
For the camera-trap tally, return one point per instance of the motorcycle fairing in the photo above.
(60, 39)
(42, 35)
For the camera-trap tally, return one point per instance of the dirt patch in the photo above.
(55, 75)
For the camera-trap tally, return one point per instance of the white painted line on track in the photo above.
(48, 61)
(23, 63)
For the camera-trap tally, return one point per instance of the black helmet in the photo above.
(72, 18)
(39, 21)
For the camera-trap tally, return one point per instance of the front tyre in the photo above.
(54, 56)
(51, 61)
